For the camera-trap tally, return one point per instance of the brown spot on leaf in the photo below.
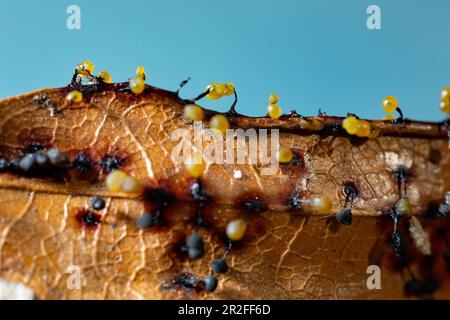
(88, 218)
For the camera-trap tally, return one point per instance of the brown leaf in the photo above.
(286, 254)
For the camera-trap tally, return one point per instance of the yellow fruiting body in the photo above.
(390, 104)
(389, 117)
(273, 98)
(195, 166)
(219, 90)
(230, 89)
(445, 104)
(120, 181)
(322, 204)
(311, 124)
(363, 128)
(213, 92)
(236, 229)
(274, 111)
(193, 112)
(140, 72)
(131, 185)
(85, 68)
(403, 207)
(445, 93)
(284, 155)
(137, 85)
(74, 96)
(105, 76)
(115, 179)
(355, 126)
(350, 124)
(219, 122)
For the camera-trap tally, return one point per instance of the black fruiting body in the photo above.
(97, 203)
(57, 158)
(414, 287)
(82, 163)
(398, 243)
(146, 220)
(210, 283)
(219, 266)
(27, 162)
(444, 207)
(201, 198)
(110, 163)
(195, 246)
(344, 216)
(89, 218)
(41, 158)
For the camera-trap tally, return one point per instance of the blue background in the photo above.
(314, 54)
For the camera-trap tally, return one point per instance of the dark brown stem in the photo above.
(333, 125)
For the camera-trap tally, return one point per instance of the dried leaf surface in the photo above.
(285, 254)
